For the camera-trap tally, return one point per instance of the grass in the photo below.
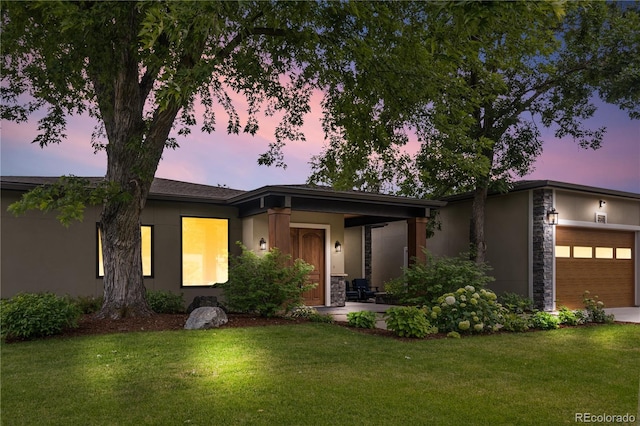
(320, 374)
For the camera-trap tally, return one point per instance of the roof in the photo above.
(161, 189)
(526, 185)
(376, 207)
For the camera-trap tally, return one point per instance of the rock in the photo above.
(206, 317)
(200, 301)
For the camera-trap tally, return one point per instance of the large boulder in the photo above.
(206, 317)
(200, 301)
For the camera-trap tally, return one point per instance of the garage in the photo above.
(600, 261)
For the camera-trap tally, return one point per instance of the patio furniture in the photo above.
(361, 285)
(352, 294)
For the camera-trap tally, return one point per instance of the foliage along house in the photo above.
(189, 230)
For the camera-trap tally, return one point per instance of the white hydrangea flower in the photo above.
(450, 300)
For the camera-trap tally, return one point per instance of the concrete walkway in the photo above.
(625, 314)
(339, 313)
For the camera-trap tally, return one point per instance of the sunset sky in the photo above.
(231, 160)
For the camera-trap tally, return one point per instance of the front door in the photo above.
(308, 245)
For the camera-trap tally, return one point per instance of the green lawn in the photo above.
(320, 374)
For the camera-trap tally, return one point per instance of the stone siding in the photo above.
(542, 250)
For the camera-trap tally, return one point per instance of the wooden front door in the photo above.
(308, 245)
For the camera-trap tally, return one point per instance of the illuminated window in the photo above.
(623, 253)
(205, 251)
(604, 252)
(582, 252)
(563, 251)
(147, 255)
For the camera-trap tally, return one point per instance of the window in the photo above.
(582, 252)
(563, 251)
(604, 252)
(146, 232)
(205, 251)
(623, 253)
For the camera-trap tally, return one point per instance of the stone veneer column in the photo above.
(367, 253)
(542, 250)
(338, 290)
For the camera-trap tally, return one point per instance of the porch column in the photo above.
(279, 229)
(417, 237)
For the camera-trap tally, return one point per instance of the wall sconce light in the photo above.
(338, 247)
(602, 203)
(263, 244)
(552, 216)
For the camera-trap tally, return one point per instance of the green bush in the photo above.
(29, 315)
(466, 310)
(423, 282)
(515, 322)
(323, 318)
(362, 319)
(569, 317)
(267, 285)
(595, 310)
(87, 304)
(165, 302)
(545, 321)
(516, 303)
(408, 321)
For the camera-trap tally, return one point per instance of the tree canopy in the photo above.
(482, 80)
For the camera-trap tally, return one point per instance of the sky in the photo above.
(231, 160)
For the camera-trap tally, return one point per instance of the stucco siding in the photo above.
(388, 252)
(353, 252)
(583, 207)
(39, 254)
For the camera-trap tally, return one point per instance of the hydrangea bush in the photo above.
(466, 311)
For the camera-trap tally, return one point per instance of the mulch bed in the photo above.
(88, 325)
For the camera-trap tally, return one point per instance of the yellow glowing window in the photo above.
(604, 252)
(563, 251)
(623, 253)
(146, 234)
(205, 251)
(580, 252)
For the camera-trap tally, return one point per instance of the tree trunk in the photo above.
(478, 244)
(124, 290)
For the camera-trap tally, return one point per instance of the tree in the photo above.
(494, 74)
(140, 68)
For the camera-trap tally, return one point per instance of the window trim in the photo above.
(182, 217)
(151, 254)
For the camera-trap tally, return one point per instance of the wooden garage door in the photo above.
(600, 261)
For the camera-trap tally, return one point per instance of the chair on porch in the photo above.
(352, 294)
(361, 285)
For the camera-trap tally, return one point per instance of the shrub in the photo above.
(266, 285)
(423, 282)
(408, 321)
(569, 317)
(165, 302)
(544, 321)
(323, 318)
(466, 310)
(595, 310)
(516, 303)
(515, 322)
(29, 315)
(87, 304)
(362, 319)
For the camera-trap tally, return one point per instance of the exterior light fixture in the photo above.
(263, 244)
(602, 203)
(552, 216)
(338, 247)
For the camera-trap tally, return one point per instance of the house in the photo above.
(552, 241)
(189, 230)
(547, 240)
